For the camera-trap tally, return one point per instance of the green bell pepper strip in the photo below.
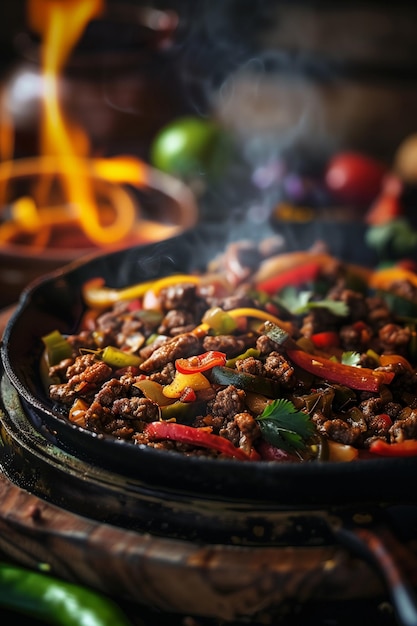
(197, 437)
(219, 321)
(248, 382)
(45, 597)
(57, 347)
(183, 411)
(249, 352)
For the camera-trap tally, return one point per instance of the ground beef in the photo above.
(394, 339)
(280, 369)
(228, 402)
(337, 429)
(136, 408)
(109, 399)
(229, 344)
(85, 377)
(318, 320)
(179, 347)
(405, 427)
(177, 322)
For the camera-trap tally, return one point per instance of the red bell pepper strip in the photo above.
(400, 449)
(200, 362)
(326, 339)
(291, 277)
(194, 436)
(361, 378)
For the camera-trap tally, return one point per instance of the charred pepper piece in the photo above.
(249, 382)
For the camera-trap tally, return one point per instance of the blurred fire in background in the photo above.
(62, 190)
(289, 113)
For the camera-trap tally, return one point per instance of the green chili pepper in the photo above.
(249, 352)
(248, 382)
(118, 358)
(45, 597)
(57, 347)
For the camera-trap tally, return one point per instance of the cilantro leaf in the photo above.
(397, 233)
(350, 358)
(299, 302)
(284, 426)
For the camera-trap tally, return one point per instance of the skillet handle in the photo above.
(396, 564)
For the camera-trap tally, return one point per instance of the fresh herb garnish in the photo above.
(299, 302)
(350, 358)
(284, 426)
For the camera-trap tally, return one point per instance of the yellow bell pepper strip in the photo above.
(360, 378)
(400, 449)
(77, 413)
(384, 278)
(305, 273)
(260, 315)
(153, 391)
(57, 347)
(202, 437)
(395, 359)
(97, 295)
(249, 382)
(200, 362)
(181, 381)
(341, 452)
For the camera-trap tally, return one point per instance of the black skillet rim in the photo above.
(379, 480)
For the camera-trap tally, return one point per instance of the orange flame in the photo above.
(61, 24)
(86, 184)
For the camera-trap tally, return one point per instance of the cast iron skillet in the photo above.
(55, 302)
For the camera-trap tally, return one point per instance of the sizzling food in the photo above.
(273, 356)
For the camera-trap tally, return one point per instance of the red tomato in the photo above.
(354, 178)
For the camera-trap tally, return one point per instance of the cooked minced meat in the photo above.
(199, 373)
